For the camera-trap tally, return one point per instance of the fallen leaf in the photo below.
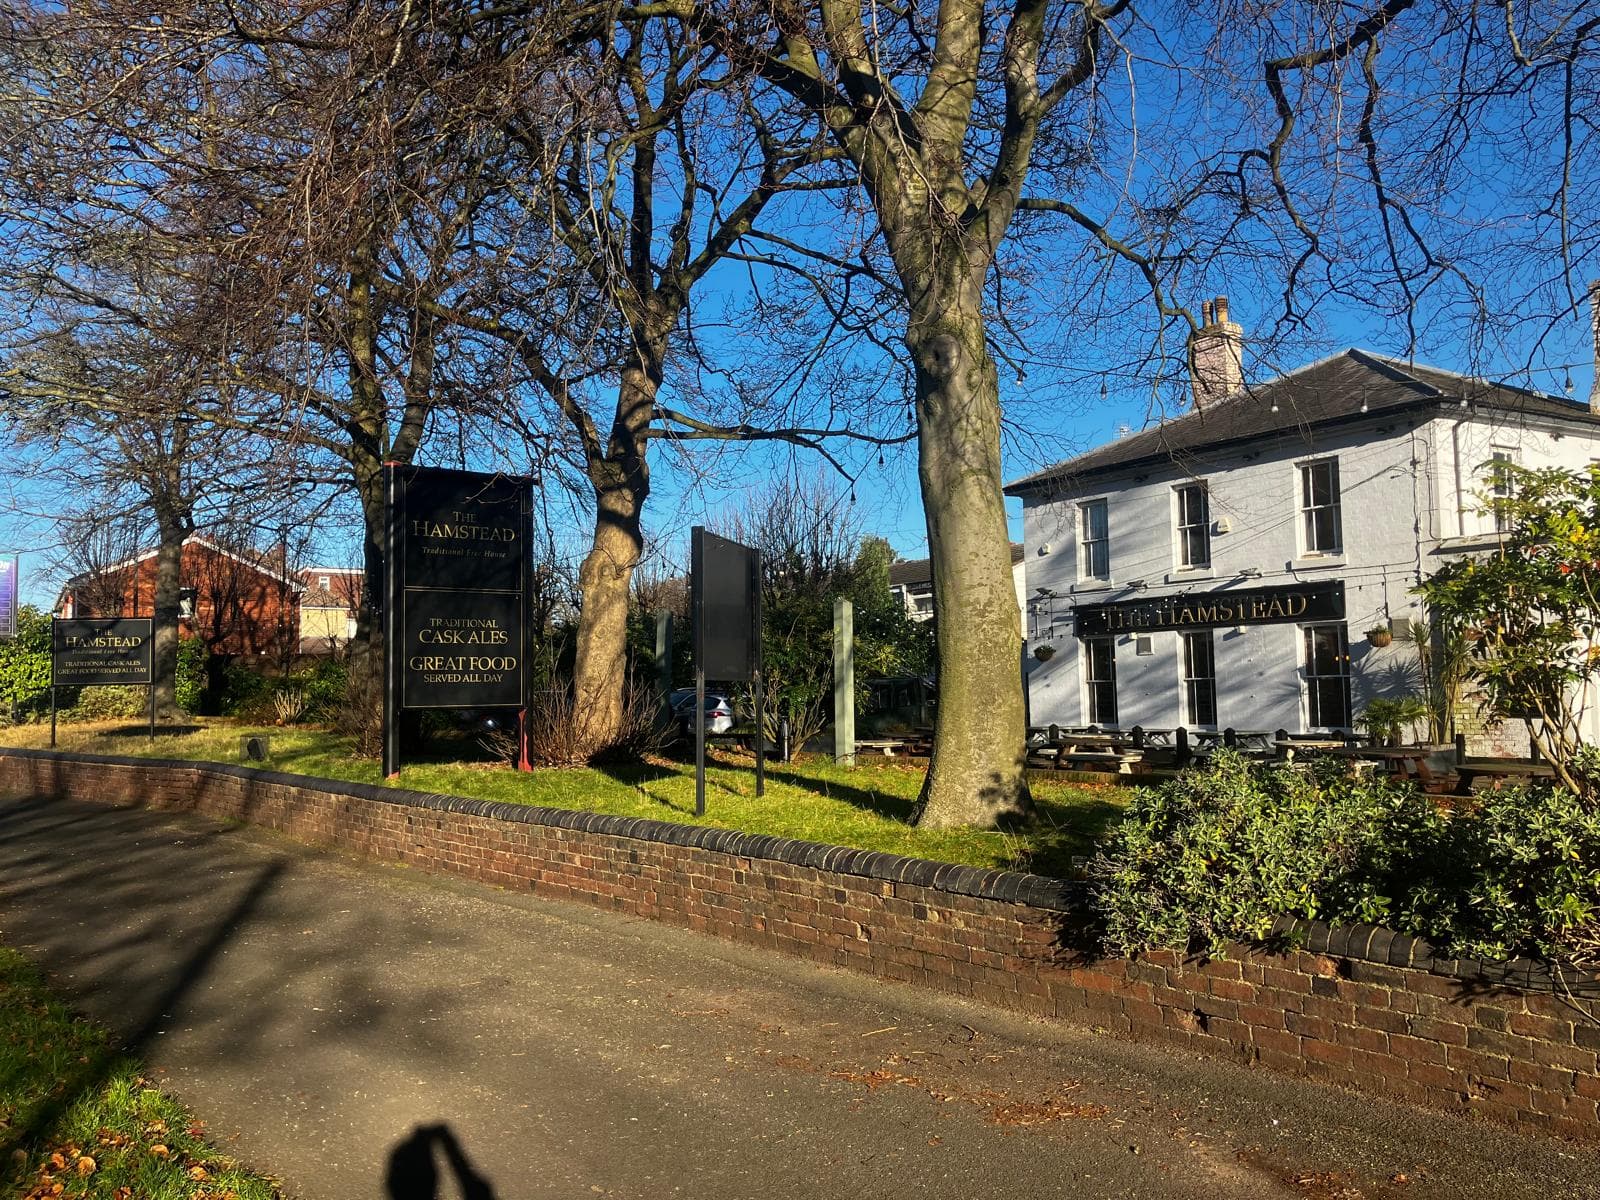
(160, 1151)
(198, 1173)
(86, 1165)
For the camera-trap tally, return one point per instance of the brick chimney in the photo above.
(1594, 331)
(1216, 354)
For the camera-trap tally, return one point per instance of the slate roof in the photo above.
(1293, 406)
(920, 570)
(317, 596)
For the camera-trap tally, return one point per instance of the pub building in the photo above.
(1226, 567)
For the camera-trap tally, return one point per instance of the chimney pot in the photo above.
(1216, 355)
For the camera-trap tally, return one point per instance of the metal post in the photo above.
(844, 683)
(152, 713)
(391, 624)
(783, 739)
(52, 716)
(761, 736)
(760, 682)
(664, 660)
(699, 740)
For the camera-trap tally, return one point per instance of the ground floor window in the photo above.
(1327, 676)
(1199, 679)
(1100, 673)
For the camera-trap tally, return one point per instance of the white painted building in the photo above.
(1223, 568)
(911, 583)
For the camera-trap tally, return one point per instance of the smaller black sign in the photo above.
(89, 651)
(1205, 610)
(725, 590)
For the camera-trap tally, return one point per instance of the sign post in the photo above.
(101, 651)
(725, 597)
(456, 588)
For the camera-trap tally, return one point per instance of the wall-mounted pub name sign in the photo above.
(90, 651)
(1205, 610)
(456, 619)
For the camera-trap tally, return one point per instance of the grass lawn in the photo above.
(79, 1120)
(865, 806)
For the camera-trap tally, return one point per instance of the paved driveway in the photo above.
(318, 1012)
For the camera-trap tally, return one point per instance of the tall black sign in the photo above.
(1189, 610)
(91, 651)
(725, 609)
(455, 612)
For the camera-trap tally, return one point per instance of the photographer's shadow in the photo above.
(414, 1174)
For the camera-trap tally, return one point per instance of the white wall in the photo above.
(1400, 496)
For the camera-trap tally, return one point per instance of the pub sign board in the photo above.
(91, 651)
(725, 597)
(1206, 610)
(456, 619)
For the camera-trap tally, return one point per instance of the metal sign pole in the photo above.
(152, 713)
(391, 623)
(699, 740)
(52, 716)
(760, 679)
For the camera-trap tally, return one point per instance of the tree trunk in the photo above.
(976, 776)
(171, 531)
(622, 483)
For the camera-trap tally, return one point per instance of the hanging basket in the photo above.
(1045, 652)
(1380, 637)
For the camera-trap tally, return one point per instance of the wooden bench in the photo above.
(1498, 772)
(887, 747)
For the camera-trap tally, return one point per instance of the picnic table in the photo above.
(1498, 770)
(1247, 740)
(1401, 762)
(1060, 749)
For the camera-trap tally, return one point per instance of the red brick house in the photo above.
(239, 602)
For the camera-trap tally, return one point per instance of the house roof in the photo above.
(920, 570)
(317, 596)
(1350, 386)
(194, 539)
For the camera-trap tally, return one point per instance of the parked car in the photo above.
(718, 713)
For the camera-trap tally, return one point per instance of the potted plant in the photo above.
(1044, 652)
(1380, 636)
(1386, 717)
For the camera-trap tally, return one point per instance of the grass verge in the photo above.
(868, 806)
(78, 1119)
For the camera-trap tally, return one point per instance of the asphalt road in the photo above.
(317, 1012)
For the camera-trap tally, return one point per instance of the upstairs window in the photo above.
(1194, 526)
(1319, 507)
(1095, 540)
(1500, 481)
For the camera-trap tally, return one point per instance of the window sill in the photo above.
(1092, 585)
(1184, 575)
(1317, 562)
(1470, 542)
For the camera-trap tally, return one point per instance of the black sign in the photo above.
(725, 589)
(86, 651)
(1257, 606)
(456, 622)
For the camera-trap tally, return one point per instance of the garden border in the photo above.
(1359, 1006)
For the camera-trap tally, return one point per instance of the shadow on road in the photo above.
(413, 1172)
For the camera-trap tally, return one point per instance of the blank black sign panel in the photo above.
(726, 612)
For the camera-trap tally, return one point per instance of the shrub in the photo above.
(25, 667)
(555, 739)
(324, 687)
(1216, 854)
(190, 683)
(109, 704)
(359, 713)
(246, 693)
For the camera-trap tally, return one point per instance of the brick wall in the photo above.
(1358, 1006)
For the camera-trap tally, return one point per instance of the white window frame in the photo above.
(1189, 682)
(1086, 544)
(1500, 486)
(1308, 662)
(1308, 510)
(1091, 710)
(1201, 528)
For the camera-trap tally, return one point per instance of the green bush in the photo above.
(324, 687)
(1216, 854)
(108, 704)
(191, 676)
(25, 667)
(247, 693)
